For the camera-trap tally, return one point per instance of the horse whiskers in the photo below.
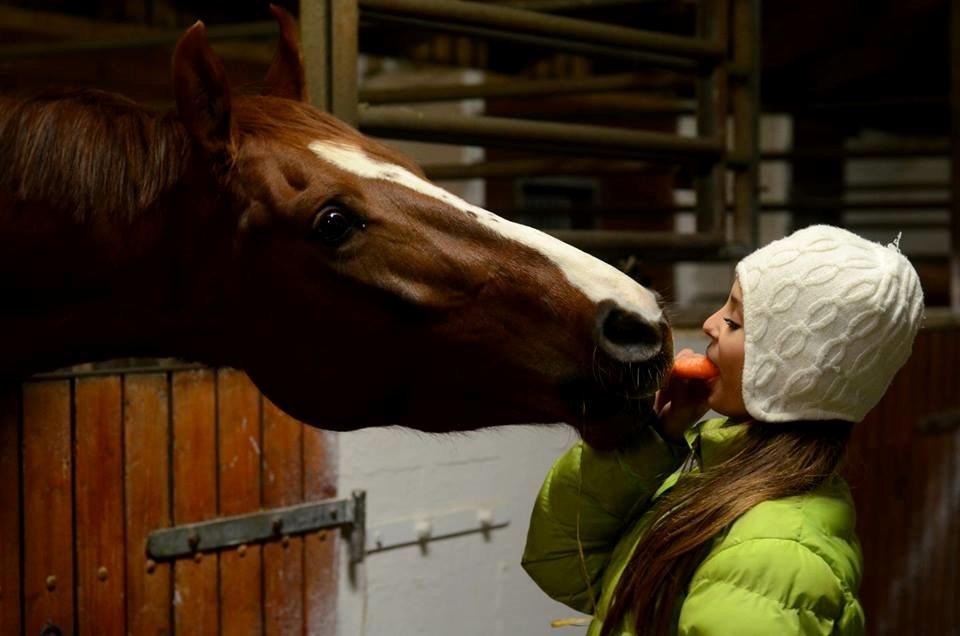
(594, 367)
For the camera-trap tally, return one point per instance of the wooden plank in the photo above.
(49, 24)
(10, 509)
(195, 497)
(48, 510)
(941, 514)
(934, 605)
(99, 505)
(954, 66)
(282, 480)
(920, 504)
(953, 487)
(146, 427)
(238, 406)
(54, 26)
(897, 605)
(320, 548)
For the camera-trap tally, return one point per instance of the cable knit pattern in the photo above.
(829, 318)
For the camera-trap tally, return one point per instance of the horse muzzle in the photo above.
(629, 337)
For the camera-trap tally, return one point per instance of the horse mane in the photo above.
(88, 151)
(91, 152)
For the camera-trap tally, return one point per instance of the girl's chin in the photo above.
(713, 386)
(715, 397)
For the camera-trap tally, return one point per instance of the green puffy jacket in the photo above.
(787, 566)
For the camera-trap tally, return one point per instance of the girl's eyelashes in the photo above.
(733, 326)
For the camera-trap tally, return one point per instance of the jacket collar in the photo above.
(713, 440)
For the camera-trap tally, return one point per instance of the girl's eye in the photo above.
(733, 326)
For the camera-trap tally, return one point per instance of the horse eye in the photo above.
(333, 225)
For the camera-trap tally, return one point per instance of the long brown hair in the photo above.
(770, 461)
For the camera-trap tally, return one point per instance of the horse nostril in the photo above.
(629, 337)
(622, 328)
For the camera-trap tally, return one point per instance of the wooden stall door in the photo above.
(91, 464)
(904, 469)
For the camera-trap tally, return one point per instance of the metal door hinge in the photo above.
(274, 524)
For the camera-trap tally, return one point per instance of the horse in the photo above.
(260, 233)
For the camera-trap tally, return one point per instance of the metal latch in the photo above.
(225, 532)
(946, 421)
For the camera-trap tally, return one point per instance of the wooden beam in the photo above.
(56, 26)
(48, 26)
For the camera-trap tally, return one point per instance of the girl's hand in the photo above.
(680, 404)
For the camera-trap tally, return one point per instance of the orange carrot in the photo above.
(695, 366)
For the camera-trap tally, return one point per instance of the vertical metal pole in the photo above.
(329, 31)
(712, 20)
(344, 43)
(746, 114)
(316, 45)
(955, 155)
(358, 533)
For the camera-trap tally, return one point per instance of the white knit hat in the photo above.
(829, 318)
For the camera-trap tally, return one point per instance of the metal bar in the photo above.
(880, 102)
(559, 27)
(712, 120)
(400, 123)
(531, 167)
(602, 107)
(601, 239)
(878, 152)
(935, 150)
(777, 206)
(504, 88)
(746, 119)
(739, 72)
(568, 5)
(344, 16)
(904, 186)
(654, 246)
(225, 532)
(955, 156)
(241, 31)
(315, 36)
(425, 528)
(896, 225)
(874, 205)
(544, 41)
(165, 366)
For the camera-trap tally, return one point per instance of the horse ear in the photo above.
(202, 93)
(286, 77)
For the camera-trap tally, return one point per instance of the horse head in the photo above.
(360, 294)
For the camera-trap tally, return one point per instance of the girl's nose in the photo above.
(709, 326)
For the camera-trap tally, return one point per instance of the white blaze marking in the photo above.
(597, 280)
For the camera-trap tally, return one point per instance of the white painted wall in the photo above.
(465, 585)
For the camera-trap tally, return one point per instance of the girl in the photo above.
(740, 525)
